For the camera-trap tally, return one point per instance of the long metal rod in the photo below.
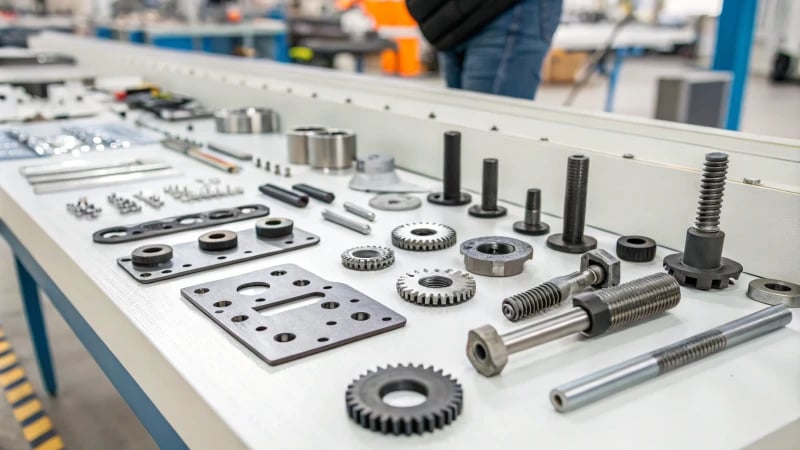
(637, 370)
(97, 173)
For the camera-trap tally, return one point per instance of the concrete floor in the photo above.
(90, 414)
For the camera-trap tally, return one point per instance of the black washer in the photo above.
(636, 248)
(218, 240)
(444, 399)
(274, 227)
(151, 255)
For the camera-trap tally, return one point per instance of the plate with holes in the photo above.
(188, 258)
(169, 225)
(285, 312)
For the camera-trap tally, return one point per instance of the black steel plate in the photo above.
(285, 312)
(188, 258)
(128, 233)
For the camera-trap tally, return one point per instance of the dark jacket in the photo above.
(447, 23)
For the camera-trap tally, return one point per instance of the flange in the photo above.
(367, 258)
(478, 211)
(395, 202)
(636, 248)
(364, 398)
(151, 255)
(532, 229)
(423, 237)
(438, 198)
(496, 256)
(218, 240)
(274, 227)
(557, 242)
(774, 292)
(436, 287)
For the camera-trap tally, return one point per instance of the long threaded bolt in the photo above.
(550, 293)
(572, 239)
(594, 314)
(532, 224)
(488, 207)
(637, 370)
(452, 195)
(701, 264)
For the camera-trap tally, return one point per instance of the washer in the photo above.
(774, 292)
(423, 237)
(368, 258)
(395, 202)
(218, 240)
(274, 227)
(444, 400)
(636, 248)
(151, 255)
(436, 287)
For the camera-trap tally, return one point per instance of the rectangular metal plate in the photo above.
(273, 313)
(188, 258)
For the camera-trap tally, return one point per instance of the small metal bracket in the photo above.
(285, 312)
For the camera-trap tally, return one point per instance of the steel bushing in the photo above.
(151, 255)
(297, 142)
(250, 120)
(496, 256)
(331, 149)
(218, 240)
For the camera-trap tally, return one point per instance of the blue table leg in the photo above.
(619, 57)
(33, 311)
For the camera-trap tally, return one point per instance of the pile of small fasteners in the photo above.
(124, 205)
(149, 198)
(207, 189)
(82, 208)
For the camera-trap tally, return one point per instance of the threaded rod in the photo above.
(575, 198)
(712, 188)
(640, 298)
(637, 370)
(550, 293)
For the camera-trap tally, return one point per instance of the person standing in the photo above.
(491, 46)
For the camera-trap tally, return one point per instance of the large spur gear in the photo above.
(434, 287)
(423, 237)
(444, 399)
(368, 257)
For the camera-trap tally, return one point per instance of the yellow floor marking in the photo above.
(27, 409)
(19, 392)
(8, 360)
(54, 443)
(12, 376)
(41, 426)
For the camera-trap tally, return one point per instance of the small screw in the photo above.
(277, 169)
(267, 166)
(287, 172)
(258, 162)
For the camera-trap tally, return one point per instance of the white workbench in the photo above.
(217, 394)
(593, 36)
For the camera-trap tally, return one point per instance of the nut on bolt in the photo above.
(496, 256)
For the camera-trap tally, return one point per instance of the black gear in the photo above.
(443, 403)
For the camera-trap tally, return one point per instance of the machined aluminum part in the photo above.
(496, 256)
(249, 120)
(331, 149)
(435, 287)
(376, 173)
(423, 237)
(774, 292)
(395, 202)
(297, 142)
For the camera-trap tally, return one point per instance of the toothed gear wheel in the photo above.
(444, 400)
(423, 237)
(436, 287)
(368, 257)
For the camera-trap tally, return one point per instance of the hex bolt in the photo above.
(452, 195)
(593, 314)
(488, 207)
(346, 222)
(572, 239)
(603, 383)
(701, 264)
(598, 269)
(532, 225)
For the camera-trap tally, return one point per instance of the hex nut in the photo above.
(607, 261)
(486, 350)
(496, 256)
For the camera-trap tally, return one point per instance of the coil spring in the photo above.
(712, 188)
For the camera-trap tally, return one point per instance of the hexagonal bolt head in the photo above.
(486, 350)
(607, 261)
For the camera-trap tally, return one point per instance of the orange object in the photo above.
(389, 12)
(405, 62)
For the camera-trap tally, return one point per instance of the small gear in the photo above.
(436, 287)
(444, 400)
(368, 258)
(423, 237)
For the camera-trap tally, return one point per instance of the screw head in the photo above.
(486, 350)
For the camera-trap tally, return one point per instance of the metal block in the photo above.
(285, 312)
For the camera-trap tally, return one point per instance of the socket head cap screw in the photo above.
(486, 350)
(607, 261)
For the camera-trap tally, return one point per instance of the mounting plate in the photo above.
(189, 258)
(169, 225)
(285, 312)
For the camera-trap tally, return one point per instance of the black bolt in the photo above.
(452, 195)
(572, 239)
(532, 224)
(258, 162)
(488, 207)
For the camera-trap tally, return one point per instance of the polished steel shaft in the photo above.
(637, 370)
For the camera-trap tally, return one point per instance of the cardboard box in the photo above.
(563, 67)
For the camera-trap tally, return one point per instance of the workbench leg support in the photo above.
(33, 312)
(613, 78)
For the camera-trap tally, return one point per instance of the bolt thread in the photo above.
(712, 188)
(640, 298)
(532, 301)
(690, 350)
(575, 198)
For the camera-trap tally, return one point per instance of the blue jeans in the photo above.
(505, 57)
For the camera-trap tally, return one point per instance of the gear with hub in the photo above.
(423, 237)
(436, 287)
(367, 258)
